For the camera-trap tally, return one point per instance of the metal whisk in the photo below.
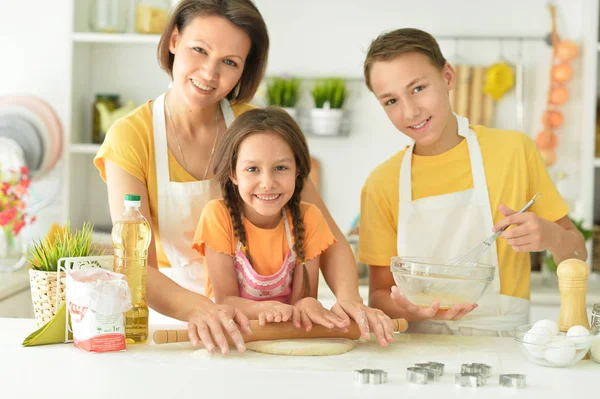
(473, 255)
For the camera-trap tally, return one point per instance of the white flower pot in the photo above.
(325, 122)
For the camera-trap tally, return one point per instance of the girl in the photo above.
(450, 190)
(260, 242)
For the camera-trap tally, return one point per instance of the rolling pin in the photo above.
(275, 331)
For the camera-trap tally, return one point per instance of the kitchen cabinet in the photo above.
(102, 63)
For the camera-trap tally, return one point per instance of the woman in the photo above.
(216, 54)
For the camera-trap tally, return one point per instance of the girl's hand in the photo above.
(208, 325)
(311, 311)
(277, 312)
(433, 312)
(530, 232)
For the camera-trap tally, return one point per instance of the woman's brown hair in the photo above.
(267, 120)
(390, 45)
(241, 13)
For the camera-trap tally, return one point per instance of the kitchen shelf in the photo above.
(123, 38)
(84, 148)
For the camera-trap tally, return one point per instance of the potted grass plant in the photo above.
(43, 256)
(329, 96)
(284, 92)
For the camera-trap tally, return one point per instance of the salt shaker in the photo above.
(572, 283)
(595, 325)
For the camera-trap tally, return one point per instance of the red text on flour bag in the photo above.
(97, 300)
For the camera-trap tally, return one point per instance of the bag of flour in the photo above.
(97, 300)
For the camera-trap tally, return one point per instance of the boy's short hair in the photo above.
(390, 45)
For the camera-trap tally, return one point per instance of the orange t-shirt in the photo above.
(268, 247)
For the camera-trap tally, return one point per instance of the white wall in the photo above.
(329, 37)
(321, 38)
(34, 48)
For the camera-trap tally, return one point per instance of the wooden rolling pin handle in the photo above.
(277, 331)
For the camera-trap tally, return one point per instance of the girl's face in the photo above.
(265, 174)
(210, 54)
(414, 94)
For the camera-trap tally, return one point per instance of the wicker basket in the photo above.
(43, 294)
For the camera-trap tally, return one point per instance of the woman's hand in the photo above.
(213, 324)
(276, 312)
(368, 319)
(311, 311)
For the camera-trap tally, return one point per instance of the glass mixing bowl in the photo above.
(425, 280)
(551, 351)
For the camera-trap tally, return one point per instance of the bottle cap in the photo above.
(132, 200)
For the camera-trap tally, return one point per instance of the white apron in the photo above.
(180, 206)
(447, 226)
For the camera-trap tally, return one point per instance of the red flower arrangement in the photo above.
(14, 189)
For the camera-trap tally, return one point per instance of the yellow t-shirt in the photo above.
(268, 247)
(129, 143)
(514, 171)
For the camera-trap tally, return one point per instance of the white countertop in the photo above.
(179, 371)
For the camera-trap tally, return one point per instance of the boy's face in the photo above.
(414, 94)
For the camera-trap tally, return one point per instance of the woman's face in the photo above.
(210, 54)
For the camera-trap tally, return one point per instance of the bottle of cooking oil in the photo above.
(131, 239)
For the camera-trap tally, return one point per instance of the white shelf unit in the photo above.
(101, 63)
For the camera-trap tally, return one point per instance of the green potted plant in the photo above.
(284, 93)
(549, 260)
(329, 96)
(43, 256)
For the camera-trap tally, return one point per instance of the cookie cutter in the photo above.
(476, 368)
(470, 379)
(421, 375)
(370, 376)
(435, 366)
(517, 381)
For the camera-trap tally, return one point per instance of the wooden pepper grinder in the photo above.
(572, 283)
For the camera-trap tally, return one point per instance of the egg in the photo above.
(535, 341)
(559, 95)
(560, 352)
(547, 140)
(579, 335)
(549, 324)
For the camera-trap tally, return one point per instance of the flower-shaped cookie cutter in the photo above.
(370, 376)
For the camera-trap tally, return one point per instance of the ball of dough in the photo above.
(579, 335)
(560, 352)
(549, 324)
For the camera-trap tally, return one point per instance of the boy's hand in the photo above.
(277, 312)
(530, 233)
(433, 312)
(311, 311)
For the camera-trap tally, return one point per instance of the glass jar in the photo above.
(151, 16)
(109, 16)
(111, 101)
(595, 327)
